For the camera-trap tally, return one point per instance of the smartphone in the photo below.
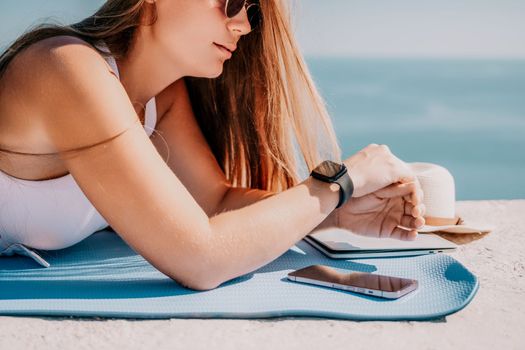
(354, 281)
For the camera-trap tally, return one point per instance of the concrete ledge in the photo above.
(494, 319)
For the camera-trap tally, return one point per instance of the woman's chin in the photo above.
(215, 73)
(210, 71)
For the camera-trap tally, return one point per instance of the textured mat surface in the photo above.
(102, 276)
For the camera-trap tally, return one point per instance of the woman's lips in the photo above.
(224, 50)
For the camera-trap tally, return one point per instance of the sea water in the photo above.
(466, 115)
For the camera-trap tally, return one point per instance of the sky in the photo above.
(355, 28)
(444, 28)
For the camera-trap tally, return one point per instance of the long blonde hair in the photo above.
(259, 117)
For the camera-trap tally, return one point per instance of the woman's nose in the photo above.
(240, 22)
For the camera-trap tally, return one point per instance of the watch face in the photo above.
(330, 169)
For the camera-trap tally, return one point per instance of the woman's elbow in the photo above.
(198, 284)
(197, 275)
(203, 286)
(198, 269)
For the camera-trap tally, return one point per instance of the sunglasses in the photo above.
(233, 7)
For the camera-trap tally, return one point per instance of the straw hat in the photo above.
(440, 199)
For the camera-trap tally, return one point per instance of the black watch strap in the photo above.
(346, 190)
(332, 172)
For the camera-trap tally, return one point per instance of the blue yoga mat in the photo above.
(102, 276)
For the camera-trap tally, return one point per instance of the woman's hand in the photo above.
(379, 213)
(386, 195)
(374, 168)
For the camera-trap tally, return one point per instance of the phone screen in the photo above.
(361, 281)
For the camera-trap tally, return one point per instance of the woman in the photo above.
(215, 192)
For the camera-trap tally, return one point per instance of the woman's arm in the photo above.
(129, 183)
(258, 233)
(238, 197)
(180, 141)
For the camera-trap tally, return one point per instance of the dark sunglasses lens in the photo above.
(254, 15)
(233, 7)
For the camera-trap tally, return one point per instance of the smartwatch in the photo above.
(333, 172)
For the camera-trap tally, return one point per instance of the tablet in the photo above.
(339, 243)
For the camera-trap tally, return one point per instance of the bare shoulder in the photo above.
(32, 67)
(49, 57)
(70, 84)
(26, 89)
(47, 66)
(54, 45)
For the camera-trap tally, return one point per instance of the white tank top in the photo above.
(51, 214)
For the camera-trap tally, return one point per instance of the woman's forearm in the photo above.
(247, 238)
(239, 197)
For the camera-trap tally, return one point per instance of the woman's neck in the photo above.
(144, 73)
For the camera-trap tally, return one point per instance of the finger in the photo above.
(406, 179)
(414, 210)
(419, 195)
(408, 208)
(396, 190)
(411, 222)
(419, 191)
(416, 196)
(404, 235)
